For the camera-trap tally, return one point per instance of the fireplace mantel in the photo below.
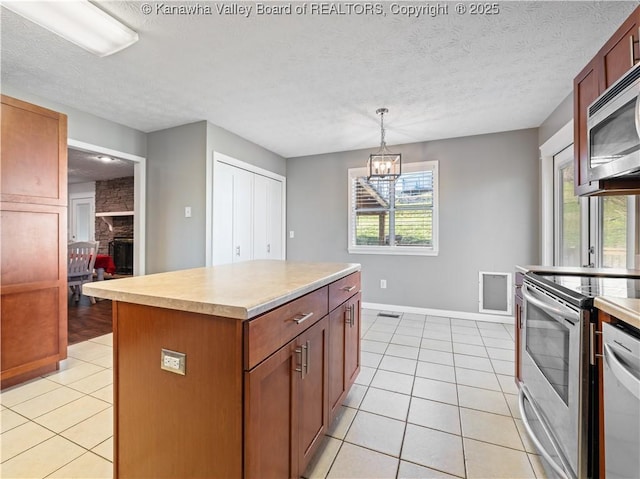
(108, 216)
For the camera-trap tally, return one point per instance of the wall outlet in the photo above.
(173, 361)
(383, 283)
(187, 211)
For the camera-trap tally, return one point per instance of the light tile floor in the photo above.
(435, 398)
(61, 425)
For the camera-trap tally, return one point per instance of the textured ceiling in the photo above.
(86, 166)
(307, 84)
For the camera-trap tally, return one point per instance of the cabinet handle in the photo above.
(348, 289)
(632, 53)
(305, 365)
(303, 351)
(350, 315)
(300, 351)
(301, 318)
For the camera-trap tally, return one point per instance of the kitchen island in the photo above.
(233, 370)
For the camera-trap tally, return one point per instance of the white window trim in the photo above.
(392, 249)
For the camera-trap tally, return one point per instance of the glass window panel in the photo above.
(614, 231)
(569, 219)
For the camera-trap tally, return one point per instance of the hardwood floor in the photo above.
(88, 321)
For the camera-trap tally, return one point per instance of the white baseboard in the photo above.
(490, 318)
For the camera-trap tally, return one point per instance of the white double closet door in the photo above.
(247, 215)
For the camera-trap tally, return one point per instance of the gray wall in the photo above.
(89, 128)
(176, 161)
(230, 144)
(488, 218)
(559, 117)
(176, 168)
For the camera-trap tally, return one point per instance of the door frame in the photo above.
(554, 145)
(215, 158)
(139, 198)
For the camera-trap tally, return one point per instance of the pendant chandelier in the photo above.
(383, 164)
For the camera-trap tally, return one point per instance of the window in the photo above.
(400, 218)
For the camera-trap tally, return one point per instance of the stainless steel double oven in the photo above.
(556, 372)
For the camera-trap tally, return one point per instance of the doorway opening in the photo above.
(106, 201)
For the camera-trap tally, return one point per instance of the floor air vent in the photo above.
(389, 315)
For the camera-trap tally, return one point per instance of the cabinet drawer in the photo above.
(269, 332)
(343, 289)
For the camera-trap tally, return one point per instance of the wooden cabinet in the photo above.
(259, 387)
(286, 406)
(33, 216)
(616, 57)
(344, 353)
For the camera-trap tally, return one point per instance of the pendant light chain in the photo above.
(383, 143)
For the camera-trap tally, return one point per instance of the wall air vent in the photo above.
(495, 293)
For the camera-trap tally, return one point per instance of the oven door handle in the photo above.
(622, 374)
(543, 452)
(559, 311)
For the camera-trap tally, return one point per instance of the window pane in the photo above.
(372, 229)
(371, 194)
(614, 232)
(570, 219)
(414, 227)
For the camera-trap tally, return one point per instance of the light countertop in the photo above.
(241, 290)
(625, 309)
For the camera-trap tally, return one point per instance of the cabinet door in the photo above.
(352, 342)
(270, 409)
(620, 53)
(585, 91)
(223, 214)
(242, 215)
(33, 259)
(267, 235)
(312, 410)
(338, 322)
(344, 351)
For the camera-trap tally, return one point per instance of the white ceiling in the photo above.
(84, 166)
(307, 84)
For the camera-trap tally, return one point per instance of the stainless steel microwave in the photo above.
(613, 130)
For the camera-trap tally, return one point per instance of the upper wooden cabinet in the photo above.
(613, 60)
(33, 230)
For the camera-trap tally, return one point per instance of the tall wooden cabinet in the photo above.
(33, 224)
(615, 58)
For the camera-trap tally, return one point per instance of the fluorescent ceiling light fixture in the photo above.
(79, 21)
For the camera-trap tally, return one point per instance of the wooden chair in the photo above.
(81, 258)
